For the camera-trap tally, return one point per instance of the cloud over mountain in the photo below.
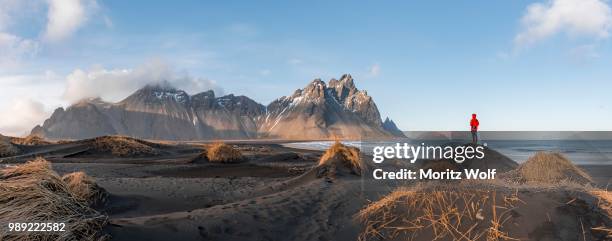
(24, 113)
(114, 84)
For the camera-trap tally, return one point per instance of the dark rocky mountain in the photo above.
(318, 111)
(390, 126)
(321, 111)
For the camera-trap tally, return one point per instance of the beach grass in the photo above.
(85, 189)
(223, 153)
(551, 167)
(340, 155)
(34, 193)
(30, 140)
(439, 212)
(123, 146)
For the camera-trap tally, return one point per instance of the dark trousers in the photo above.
(474, 137)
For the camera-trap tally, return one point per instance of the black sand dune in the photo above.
(162, 191)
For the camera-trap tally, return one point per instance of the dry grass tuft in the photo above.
(604, 203)
(548, 167)
(36, 168)
(339, 155)
(485, 211)
(123, 146)
(30, 140)
(34, 193)
(221, 152)
(438, 214)
(7, 148)
(85, 189)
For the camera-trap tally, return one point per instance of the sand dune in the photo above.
(30, 140)
(547, 167)
(316, 210)
(486, 211)
(278, 193)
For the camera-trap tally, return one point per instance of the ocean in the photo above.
(581, 152)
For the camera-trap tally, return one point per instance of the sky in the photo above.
(520, 65)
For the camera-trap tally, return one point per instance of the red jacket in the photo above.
(474, 123)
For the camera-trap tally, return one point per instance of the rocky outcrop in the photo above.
(390, 127)
(318, 111)
(321, 111)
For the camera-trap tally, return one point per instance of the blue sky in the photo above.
(521, 65)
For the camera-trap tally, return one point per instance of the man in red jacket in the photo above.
(474, 124)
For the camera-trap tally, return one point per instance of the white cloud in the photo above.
(13, 49)
(24, 115)
(116, 84)
(592, 18)
(66, 16)
(29, 80)
(374, 70)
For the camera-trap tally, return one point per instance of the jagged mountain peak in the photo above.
(343, 88)
(317, 81)
(160, 89)
(390, 123)
(339, 89)
(158, 93)
(319, 107)
(204, 99)
(343, 92)
(346, 77)
(241, 104)
(346, 81)
(315, 90)
(391, 127)
(209, 94)
(159, 111)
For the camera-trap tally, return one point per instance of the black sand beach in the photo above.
(274, 193)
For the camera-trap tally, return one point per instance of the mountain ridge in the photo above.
(320, 110)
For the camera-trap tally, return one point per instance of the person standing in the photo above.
(474, 126)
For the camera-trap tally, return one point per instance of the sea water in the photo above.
(581, 152)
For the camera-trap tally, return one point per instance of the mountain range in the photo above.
(320, 110)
